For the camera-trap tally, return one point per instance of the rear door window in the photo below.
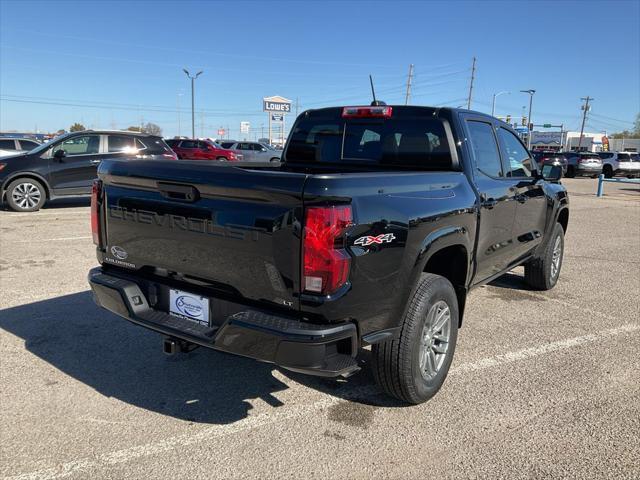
(189, 144)
(28, 144)
(120, 144)
(485, 148)
(623, 157)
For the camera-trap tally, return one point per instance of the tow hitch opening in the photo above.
(171, 346)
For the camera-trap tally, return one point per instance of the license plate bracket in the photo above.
(189, 306)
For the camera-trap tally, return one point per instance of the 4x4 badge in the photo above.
(369, 240)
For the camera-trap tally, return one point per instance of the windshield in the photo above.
(404, 140)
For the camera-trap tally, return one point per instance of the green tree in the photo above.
(77, 127)
(635, 133)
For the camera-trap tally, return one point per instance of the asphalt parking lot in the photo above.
(544, 384)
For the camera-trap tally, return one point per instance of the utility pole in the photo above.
(531, 92)
(202, 124)
(296, 107)
(193, 114)
(585, 109)
(409, 78)
(473, 76)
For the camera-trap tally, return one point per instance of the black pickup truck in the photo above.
(372, 231)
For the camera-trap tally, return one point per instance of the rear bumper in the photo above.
(323, 350)
(588, 169)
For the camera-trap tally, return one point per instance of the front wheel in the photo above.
(26, 195)
(542, 272)
(414, 366)
(222, 159)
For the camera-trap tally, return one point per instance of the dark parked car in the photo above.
(551, 157)
(371, 232)
(67, 165)
(13, 146)
(254, 151)
(583, 164)
(188, 149)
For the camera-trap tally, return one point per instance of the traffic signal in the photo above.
(508, 119)
(531, 127)
(524, 121)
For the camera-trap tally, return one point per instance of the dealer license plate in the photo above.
(189, 306)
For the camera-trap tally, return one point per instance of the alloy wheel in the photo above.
(26, 195)
(434, 342)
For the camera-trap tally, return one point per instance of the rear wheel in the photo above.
(608, 171)
(542, 272)
(571, 171)
(26, 195)
(414, 366)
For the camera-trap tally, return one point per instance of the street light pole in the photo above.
(193, 114)
(530, 122)
(493, 105)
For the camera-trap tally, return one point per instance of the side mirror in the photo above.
(59, 154)
(262, 149)
(552, 173)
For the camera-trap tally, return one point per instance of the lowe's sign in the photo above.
(276, 104)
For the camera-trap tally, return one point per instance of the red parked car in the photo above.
(188, 149)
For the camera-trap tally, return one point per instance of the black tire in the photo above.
(608, 171)
(538, 272)
(571, 171)
(25, 195)
(222, 159)
(396, 363)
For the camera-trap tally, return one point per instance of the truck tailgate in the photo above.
(231, 228)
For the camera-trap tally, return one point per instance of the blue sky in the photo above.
(109, 64)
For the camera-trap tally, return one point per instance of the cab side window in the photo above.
(517, 159)
(81, 145)
(485, 148)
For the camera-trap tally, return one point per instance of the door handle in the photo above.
(94, 162)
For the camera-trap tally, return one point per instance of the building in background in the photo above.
(569, 141)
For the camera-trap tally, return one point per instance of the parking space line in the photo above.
(140, 451)
(60, 239)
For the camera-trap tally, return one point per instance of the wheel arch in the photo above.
(447, 252)
(31, 175)
(563, 218)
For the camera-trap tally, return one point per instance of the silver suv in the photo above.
(253, 151)
(620, 163)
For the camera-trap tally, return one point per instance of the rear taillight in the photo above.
(170, 156)
(366, 112)
(96, 193)
(326, 262)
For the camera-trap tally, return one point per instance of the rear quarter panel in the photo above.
(425, 211)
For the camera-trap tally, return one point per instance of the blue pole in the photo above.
(600, 185)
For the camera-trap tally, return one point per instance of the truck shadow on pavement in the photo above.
(124, 361)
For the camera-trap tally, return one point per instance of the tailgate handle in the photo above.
(172, 191)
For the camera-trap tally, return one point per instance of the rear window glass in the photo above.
(590, 156)
(413, 142)
(227, 144)
(7, 144)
